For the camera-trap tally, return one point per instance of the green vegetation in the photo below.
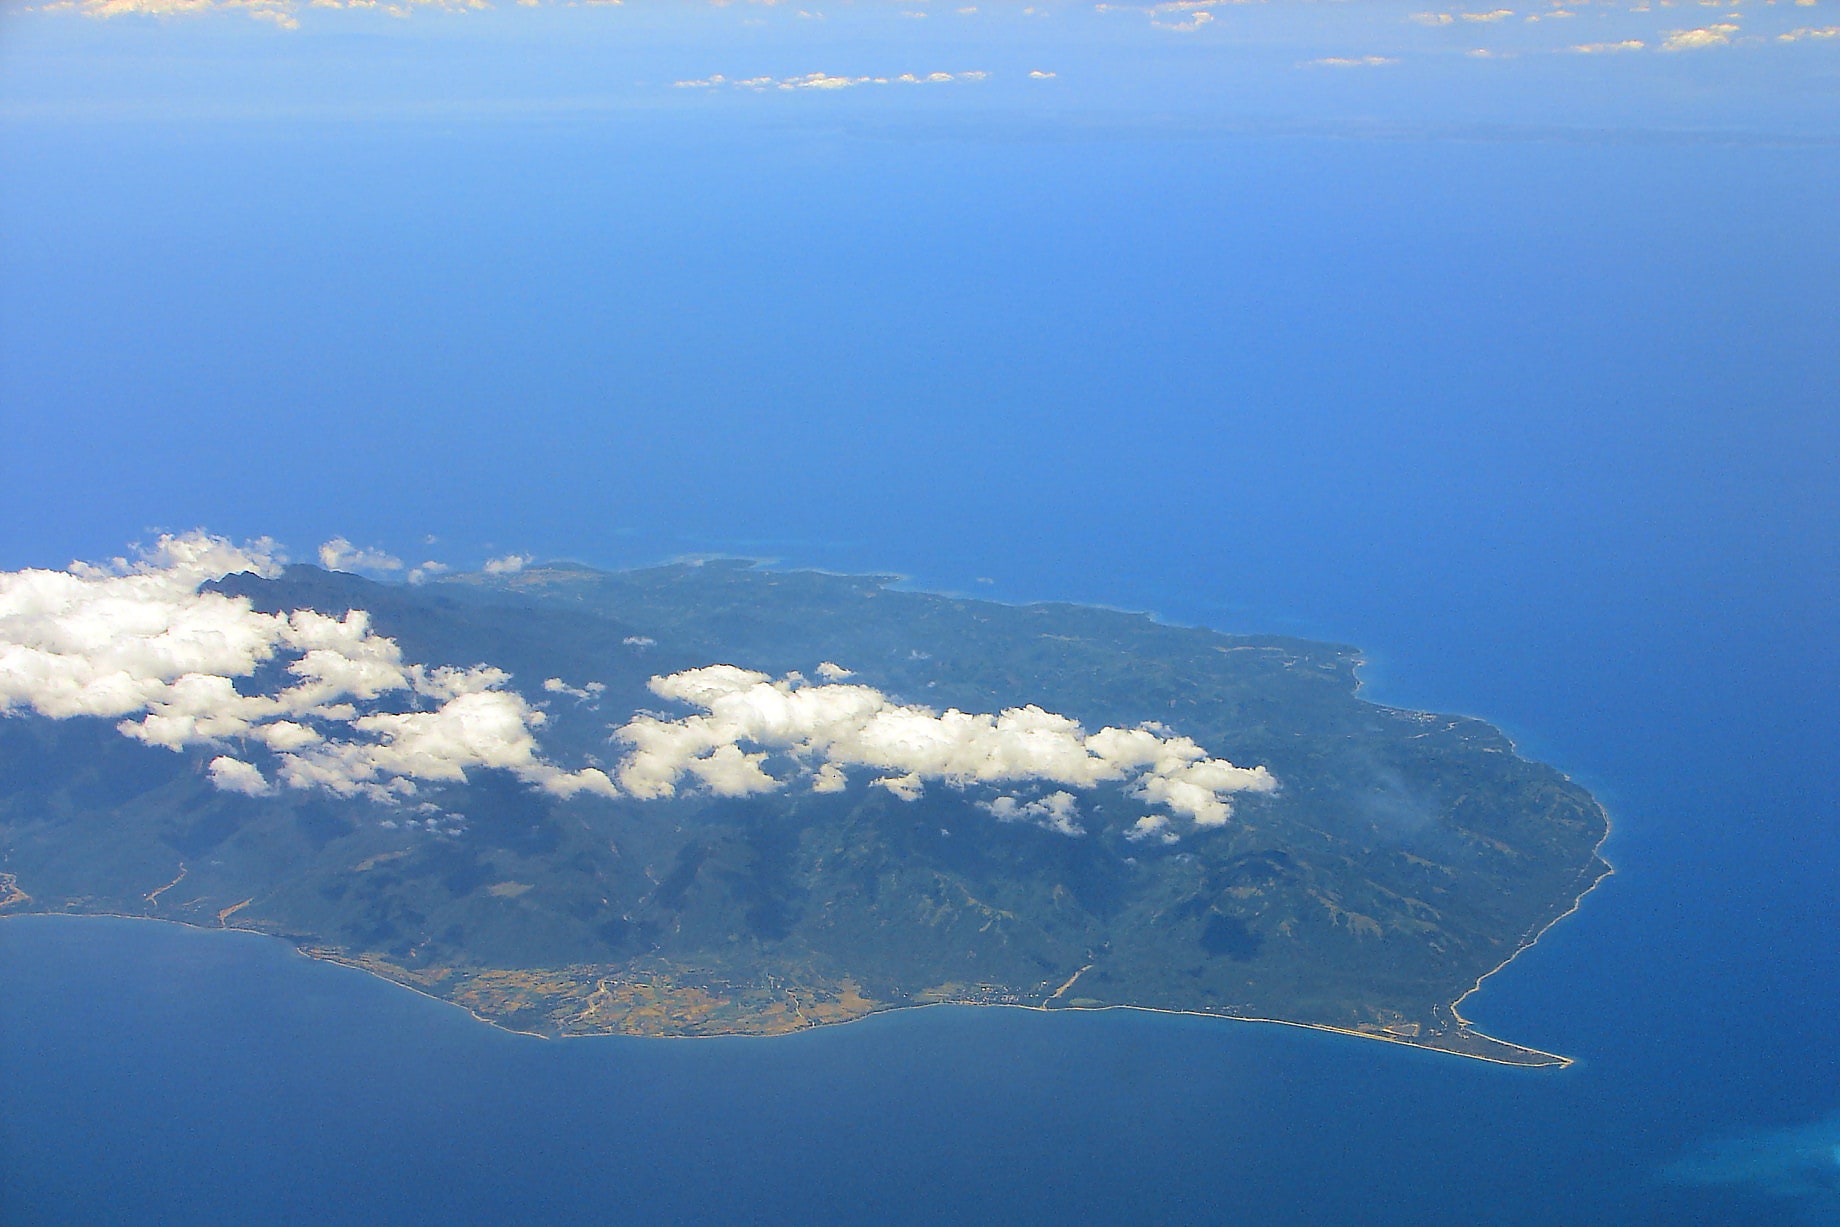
(1405, 856)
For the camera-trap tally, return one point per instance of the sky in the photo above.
(1745, 67)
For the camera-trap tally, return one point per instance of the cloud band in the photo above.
(176, 665)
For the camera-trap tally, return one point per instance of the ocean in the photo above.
(1545, 426)
(158, 1074)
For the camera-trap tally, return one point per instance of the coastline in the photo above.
(1539, 1059)
(1533, 938)
(661, 999)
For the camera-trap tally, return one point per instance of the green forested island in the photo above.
(740, 800)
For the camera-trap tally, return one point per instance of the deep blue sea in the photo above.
(161, 1075)
(1546, 426)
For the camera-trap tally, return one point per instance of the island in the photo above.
(714, 798)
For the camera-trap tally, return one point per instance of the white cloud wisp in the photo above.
(340, 554)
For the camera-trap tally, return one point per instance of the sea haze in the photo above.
(1515, 384)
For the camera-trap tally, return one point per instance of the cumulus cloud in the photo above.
(1706, 36)
(339, 554)
(1801, 32)
(748, 721)
(1152, 827)
(1628, 44)
(510, 564)
(235, 775)
(144, 644)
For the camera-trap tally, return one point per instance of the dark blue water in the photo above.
(156, 1074)
(1549, 429)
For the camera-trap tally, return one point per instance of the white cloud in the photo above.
(279, 12)
(157, 8)
(427, 571)
(828, 81)
(141, 643)
(235, 775)
(510, 564)
(821, 80)
(1707, 36)
(1057, 812)
(1342, 61)
(1444, 19)
(1152, 826)
(816, 731)
(908, 787)
(1193, 14)
(263, 12)
(556, 685)
(1628, 44)
(1194, 21)
(339, 554)
(144, 643)
(1801, 32)
(1180, 16)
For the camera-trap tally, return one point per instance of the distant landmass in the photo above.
(712, 799)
